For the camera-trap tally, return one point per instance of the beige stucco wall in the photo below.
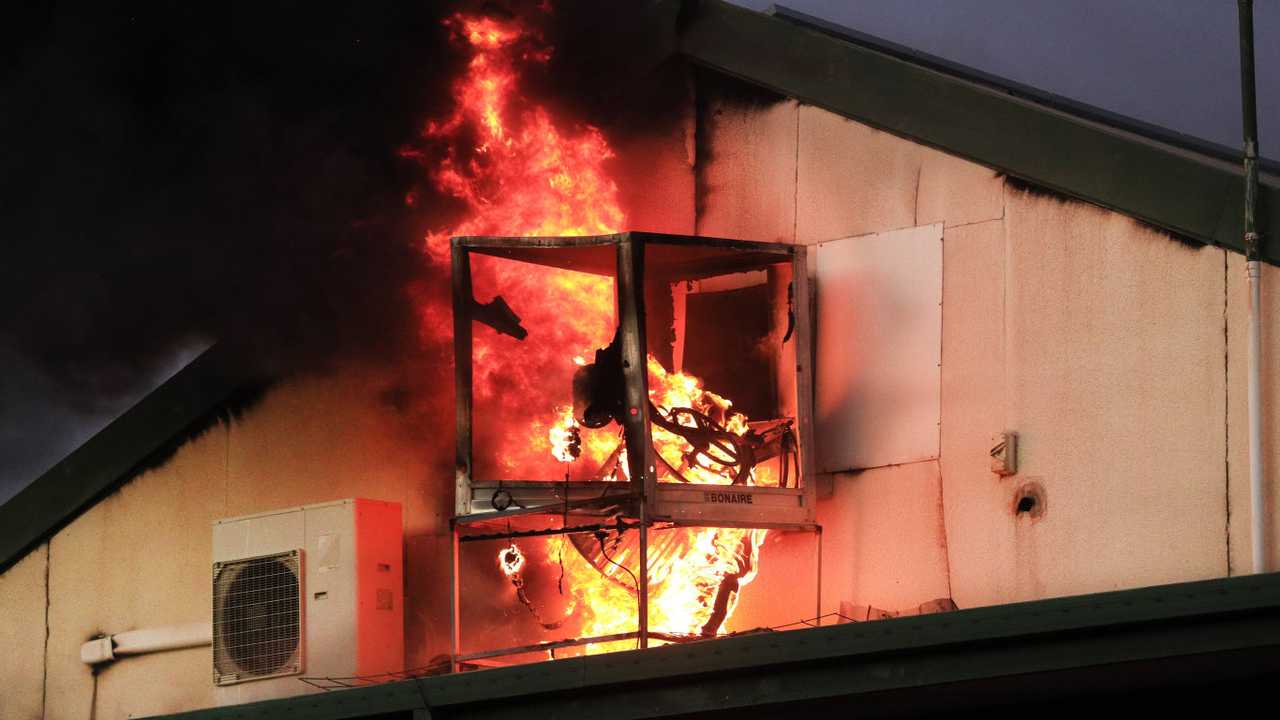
(800, 174)
(141, 557)
(981, 533)
(1114, 378)
(137, 559)
(22, 636)
(1099, 340)
(1116, 353)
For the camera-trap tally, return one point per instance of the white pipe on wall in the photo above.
(1256, 497)
(146, 640)
(1253, 256)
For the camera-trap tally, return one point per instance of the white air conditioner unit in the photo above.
(314, 591)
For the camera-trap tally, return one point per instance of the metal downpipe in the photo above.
(1253, 256)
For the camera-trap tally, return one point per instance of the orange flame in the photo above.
(527, 175)
(687, 567)
(511, 560)
(523, 173)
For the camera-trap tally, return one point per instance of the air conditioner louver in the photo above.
(257, 617)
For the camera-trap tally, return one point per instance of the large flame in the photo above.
(518, 170)
(520, 173)
(688, 568)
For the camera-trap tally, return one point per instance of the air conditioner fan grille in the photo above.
(257, 617)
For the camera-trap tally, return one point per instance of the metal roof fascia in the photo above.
(1188, 620)
(1058, 102)
(1106, 166)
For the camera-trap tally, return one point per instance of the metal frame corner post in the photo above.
(817, 530)
(803, 263)
(455, 599)
(462, 377)
(640, 460)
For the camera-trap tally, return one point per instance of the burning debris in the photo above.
(699, 573)
(511, 561)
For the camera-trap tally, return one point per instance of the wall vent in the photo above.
(257, 617)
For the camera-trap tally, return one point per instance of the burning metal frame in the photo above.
(636, 499)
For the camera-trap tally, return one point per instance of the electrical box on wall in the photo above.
(1004, 453)
(314, 591)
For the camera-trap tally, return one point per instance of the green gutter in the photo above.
(1170, 188)
(1167, 627)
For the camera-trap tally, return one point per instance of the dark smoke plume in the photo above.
(179, 173)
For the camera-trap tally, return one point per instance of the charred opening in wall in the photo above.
(724, 342)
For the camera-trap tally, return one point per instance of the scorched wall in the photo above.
(1114, 351)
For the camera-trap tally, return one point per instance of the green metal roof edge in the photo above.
(1172, 188)
(113, 455)
(1061, 635)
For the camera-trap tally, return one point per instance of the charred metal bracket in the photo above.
(791, 312)
(501, 500)
(498, 315)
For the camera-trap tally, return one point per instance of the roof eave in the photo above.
(1173, 189)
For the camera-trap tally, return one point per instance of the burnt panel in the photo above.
(725, 345)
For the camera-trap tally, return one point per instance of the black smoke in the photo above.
(179, 173)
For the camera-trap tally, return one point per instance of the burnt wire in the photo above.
(810, 622)
(600, 536)
(560, 582)
(438, 666)
(806, 622)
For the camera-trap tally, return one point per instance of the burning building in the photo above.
(856, 340)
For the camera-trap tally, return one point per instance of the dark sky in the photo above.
(1173, 63)
(157, 144)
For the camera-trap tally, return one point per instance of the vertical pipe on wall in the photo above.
(1254, 269)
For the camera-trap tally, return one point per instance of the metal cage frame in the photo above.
(642, 499)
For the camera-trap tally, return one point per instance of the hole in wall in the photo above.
(1029, 501)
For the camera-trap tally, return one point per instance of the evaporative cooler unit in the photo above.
(634, 461)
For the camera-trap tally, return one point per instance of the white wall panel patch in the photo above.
(879, 353)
